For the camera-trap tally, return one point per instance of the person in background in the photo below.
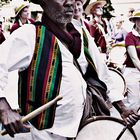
(45, 58)
(119, 33)
(127, 25)
(132, 70)
(98, 28)
(21, 16)
(100, 65)
(2, 37)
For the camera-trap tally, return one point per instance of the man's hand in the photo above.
(128, 115)
(10, 119)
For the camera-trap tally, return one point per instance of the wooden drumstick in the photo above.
(124, 129)
(36, 112)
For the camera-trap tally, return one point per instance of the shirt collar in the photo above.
(27, 22)
(77, 23)
(134, 32)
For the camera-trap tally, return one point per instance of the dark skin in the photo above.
(61, 14)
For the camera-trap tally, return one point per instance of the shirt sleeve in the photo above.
(16, 53)
(129, 41)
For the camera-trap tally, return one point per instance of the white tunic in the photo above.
(16, 53)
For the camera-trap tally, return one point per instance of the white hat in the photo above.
(135, 15)
(20, 7)
(93, 4)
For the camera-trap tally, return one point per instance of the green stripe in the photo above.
(55, 69)
(88, 56)
(39, 57)
(54, 73)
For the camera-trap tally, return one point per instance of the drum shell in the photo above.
(119, 80)
(105, 128)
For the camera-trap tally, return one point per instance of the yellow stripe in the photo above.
(137, 14)
(20, 8)
(118, 45)
(137, 47)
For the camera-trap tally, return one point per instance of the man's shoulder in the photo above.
(26, 28)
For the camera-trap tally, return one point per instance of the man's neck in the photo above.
(62, 26)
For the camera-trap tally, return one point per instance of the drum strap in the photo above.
(96, 99)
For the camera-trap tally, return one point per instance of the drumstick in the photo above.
(36, 112)
(124, 129)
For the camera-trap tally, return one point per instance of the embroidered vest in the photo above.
(40, 82)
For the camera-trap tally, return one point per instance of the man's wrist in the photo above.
(4, 105)
(119, 105)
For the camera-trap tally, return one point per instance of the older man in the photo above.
(44, 55)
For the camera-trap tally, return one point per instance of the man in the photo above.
(44, 55)
(98, 28)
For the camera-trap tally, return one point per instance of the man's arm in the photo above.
(9, 118)
(15, 53)
(134, 57)
(115, 97)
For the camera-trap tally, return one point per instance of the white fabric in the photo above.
(11, 90)
(73, 90)
(15, 53)
(34, 135)
(101, 67)
(132, 78)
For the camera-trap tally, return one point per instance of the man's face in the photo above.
(78, 9)
(59, 11)
(98, 10)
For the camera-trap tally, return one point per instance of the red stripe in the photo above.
(46, 79)
(47, 71)
(29, 79)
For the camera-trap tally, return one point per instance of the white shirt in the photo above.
(16, 53)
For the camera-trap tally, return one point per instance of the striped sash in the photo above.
(40, 82)
(91, 69)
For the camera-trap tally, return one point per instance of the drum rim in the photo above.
(98, 118)
(125, 86)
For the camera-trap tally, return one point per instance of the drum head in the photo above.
(117, 55)
(105, 128)
(119, 80)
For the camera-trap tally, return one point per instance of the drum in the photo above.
(119, 80)
(117, 55)
(105, 128)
